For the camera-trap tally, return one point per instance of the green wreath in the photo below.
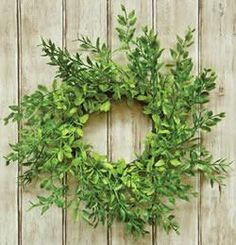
(144, 191)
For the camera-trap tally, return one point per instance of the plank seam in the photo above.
(199, 23)
(19, 169)
(64, 210)
(154, 26)
(109, 115)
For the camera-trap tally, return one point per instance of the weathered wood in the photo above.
(173, 17)
(128, 126)
(8, 96)
(218, 48)
(87, 17)
(38, 18)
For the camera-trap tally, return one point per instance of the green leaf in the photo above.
(104, 87)
(42, 88)
(79, 132)
(164, 131)
(60, 202)
(173, 53)
(122, 214)
(83, 119)
(79, 101)
(65, 131)
(142, 98)
(131, 14)
(72, 111)
(161, 169)
(54, 84)
(121, 166)
(150, 165)
(14, 107)
(175, 162)
(60, 156)
(123, 7)
(108, 166)
(156, 120)
(45, 184)
(105, 106)
(132, 21)
(121, 20)
(76, 161)
(160, 163)
(89, 61)
(67, 148)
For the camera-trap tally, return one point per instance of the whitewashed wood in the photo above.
(173, 17)
(8, 96)
(128, 126)
(218, 49)
(87, 17)
(128, 129)
(38, 18)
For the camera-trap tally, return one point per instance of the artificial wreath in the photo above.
(145, 190)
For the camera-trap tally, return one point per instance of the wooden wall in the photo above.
(209, 219)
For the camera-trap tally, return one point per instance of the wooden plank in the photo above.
(38, 18)
(8, 96)
(128, 126)
(173, 17)
(218, 48)
(87, 17)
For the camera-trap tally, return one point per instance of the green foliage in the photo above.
(51, 140)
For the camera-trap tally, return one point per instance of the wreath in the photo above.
(145, 190)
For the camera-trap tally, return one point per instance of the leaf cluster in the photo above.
(51, 142)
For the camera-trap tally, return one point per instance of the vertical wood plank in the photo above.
(173, 17)
(87, 17)
(8, 96)
(218, 49)
(38, 18)
(128, 126)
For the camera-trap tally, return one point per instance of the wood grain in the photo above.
(208, 220)
(218, 49)
(87, 17)
(38, 18)
(8, 96)
(128, 126)
(173, 17)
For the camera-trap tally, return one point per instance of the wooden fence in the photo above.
(209, 219)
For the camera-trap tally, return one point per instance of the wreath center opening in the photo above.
(120, 133)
